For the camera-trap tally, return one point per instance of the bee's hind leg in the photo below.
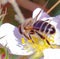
(41, 36)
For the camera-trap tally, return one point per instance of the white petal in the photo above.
(36, 11)
(57, 37)
(57, 20)
(14, 49)
(12, 39)
(51, 54)
(41, 15)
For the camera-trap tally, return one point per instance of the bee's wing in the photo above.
(12, 40)
(41, 13)
(55, 21)
(50, 20)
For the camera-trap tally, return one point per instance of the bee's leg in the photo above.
(26, 36)
(43, 37)
(31, 33)
(31, 37)
(21, 30)
(48, 42)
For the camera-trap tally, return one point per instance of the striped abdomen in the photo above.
(44, 27)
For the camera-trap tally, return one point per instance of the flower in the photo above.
(11, 38)
(17, 44)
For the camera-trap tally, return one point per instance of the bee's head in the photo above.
(28, 24)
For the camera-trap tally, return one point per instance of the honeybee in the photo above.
(37, 27)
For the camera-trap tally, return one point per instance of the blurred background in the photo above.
(27, 7)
